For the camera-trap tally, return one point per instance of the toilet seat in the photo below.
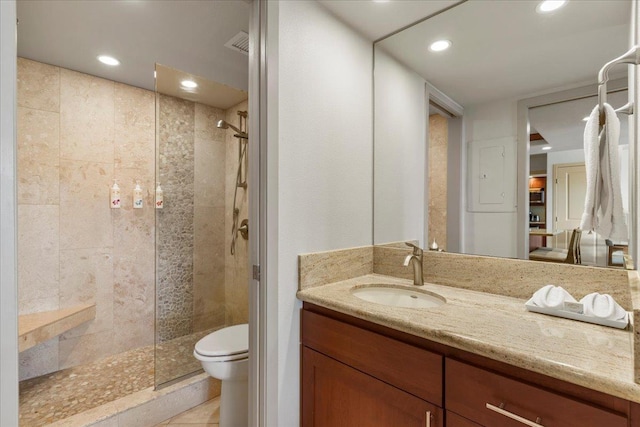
(226, 344)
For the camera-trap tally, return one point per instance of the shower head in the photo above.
(224, 125)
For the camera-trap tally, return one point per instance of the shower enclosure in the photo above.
(202, 227)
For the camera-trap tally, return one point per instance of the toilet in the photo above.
(224, 355)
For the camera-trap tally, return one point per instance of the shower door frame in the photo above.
(263, 327)
(8, 225)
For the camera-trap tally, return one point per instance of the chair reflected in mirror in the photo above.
(571, 255)
(616, 253)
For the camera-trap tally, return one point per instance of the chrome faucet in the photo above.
(416, 260)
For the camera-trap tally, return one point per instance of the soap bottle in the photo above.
(159, 197)
(114, 201)
(137, 196)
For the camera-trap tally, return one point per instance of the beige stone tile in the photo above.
(206, 120)
(210, 320)
(86, 117)
(37, 304)
(156, 411)
(38, 156)
(193, 425)
(236, 269)
(209, 267)
(333, 266)
(85, 215)
(39, 360)
(134, 299)
(503, 276)
(109, 422)
(134, 127)
(38, 85)
(209, 238)
(438, 180)
(237, 288)
(438, 131)
(205, 414)
(38, 258)
(209, 172)
(86, 276)
(85, 348)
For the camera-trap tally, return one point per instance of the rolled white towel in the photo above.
(551, 296)
(603, 306)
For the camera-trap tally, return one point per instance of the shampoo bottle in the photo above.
(114, 201)
(159, 197)
(137, 196)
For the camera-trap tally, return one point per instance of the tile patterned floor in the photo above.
(174, 358)
(205, 415)
(59, 395)
(56, 396)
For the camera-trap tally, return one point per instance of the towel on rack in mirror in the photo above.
(603, 211)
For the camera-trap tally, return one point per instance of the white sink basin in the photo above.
(398, 297)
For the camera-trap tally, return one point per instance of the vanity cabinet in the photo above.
(355, 377)
(356, 373)
(336, 395)
(490, 399)
(455, 420)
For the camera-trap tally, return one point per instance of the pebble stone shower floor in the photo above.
(56, 396)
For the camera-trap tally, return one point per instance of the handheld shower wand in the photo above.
(224, 125)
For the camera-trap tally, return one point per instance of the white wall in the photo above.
(400, 166)
(324, 161)
(8, 280)
(491, 233)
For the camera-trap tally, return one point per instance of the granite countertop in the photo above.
(499, 327)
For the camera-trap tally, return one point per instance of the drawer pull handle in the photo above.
(500, 410)
(428, 423)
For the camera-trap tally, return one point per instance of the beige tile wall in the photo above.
(236, 271)
(76, 133)
(209, 219)
(438, 145)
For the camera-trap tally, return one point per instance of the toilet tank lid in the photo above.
(225, 341)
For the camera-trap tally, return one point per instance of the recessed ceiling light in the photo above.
(550, 5)
(440, 45)
(188, 84)
(584, 119)
(546, 148)
(108, 60)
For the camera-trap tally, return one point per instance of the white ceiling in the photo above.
(561, 125)
(504, 49)
(187, 35)
(379, 19)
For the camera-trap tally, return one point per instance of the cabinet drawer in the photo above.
(409, 368)
(471, 390)
(455, 420)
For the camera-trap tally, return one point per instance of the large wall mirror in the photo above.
(451, 166)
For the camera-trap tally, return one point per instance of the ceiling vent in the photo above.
(239, 43)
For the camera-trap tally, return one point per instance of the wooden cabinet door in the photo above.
(455, 420)
(336, 395)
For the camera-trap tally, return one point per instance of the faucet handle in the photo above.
(416, 249)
